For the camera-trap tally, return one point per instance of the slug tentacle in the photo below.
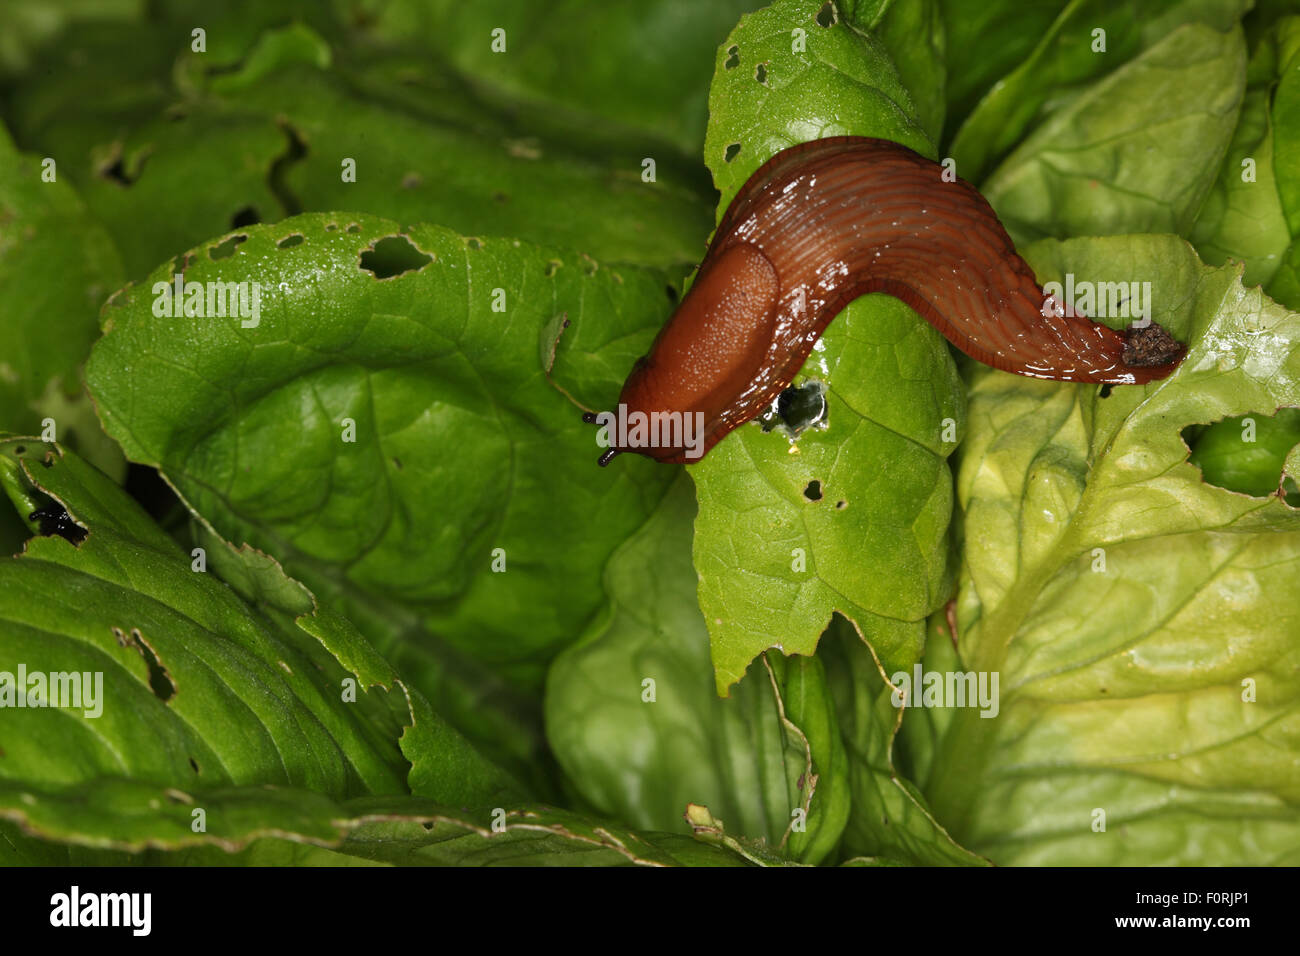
(823, 223)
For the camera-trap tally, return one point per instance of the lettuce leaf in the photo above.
(1142, 621)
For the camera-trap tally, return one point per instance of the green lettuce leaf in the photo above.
(158, 660)
(57, 266)
(1242, 218)
(1285, 124)
(28, 26)
(912, 31)
(1248, 453)
(122, 822)
(274, 128)
(890, 820)
(619, 72)
(987, 41)
(635, 720)
(780, 537)
(1134, 152)
(1087, 40)
(435, 518)
(1142, 621)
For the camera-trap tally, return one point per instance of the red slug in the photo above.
(818, 225)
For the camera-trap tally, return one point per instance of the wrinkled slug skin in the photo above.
(827, 221)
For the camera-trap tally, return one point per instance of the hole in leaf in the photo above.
(672, 293)
(473, 243)
(245, 217)
(814, 491)
(354, 228)
(195, 764)
(20, 450)
(1247, 454)
(797, 408)
(160, 682)
(53, 519)
(732, 151)
(393, 256)
(551, 266)
(294, 151)
(841, 505)
(115, 171)
(397, 463)
(826, 16)
(733, 58)
(288, 242)
(1104, 391)
(760, 73)
(331, 226)
(224, 249)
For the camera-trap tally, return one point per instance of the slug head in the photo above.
(675, 403)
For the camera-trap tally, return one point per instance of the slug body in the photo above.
(821, 224)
